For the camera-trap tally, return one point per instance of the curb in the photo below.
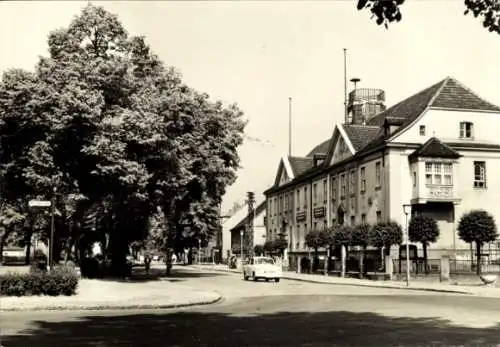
(115, 307)
(437, 290)
(381, 286)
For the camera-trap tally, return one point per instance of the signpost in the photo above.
(40, 203)
(46, 204)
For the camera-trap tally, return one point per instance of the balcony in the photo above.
(435, 193)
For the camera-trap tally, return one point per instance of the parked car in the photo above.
(262, 268)
(13, 256)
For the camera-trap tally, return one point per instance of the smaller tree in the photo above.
(341, 236)
(477, 226)
(269, 247)
(316, 239)
(425, 230)
(360, 236)
(386, 234)
(258, 250)
(280, 244)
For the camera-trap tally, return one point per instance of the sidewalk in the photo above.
(100, 295)
(423, 286)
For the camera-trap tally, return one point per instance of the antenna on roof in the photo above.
(289, 127)
(345, 86)
(355, 80)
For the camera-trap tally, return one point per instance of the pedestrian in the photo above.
(147, 263)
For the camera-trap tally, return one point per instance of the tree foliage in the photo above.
(341, 235)
(423, 229)
(103, 118)
(389, 11)
(317, 239)
(360, 235)
(477, 226)
(386, 234)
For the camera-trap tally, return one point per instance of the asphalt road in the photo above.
(272, 314)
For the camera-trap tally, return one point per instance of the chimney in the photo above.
(364, 103)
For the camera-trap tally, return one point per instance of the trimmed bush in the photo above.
(62, 280)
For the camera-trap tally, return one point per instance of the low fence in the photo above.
(458, 267)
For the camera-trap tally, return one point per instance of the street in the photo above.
(288, 313)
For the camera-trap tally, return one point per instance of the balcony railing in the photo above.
(437, 193)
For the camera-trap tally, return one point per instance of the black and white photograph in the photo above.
(249, 173)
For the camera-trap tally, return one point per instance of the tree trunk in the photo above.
(424, 247)
(27, 239)
(362, 262)
(343, 257)
(478, 258)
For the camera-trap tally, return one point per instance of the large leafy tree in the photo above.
(425, 230)
(103, 118)
(389, 11)
(478, 227)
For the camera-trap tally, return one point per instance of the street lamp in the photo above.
(241, 247)
(407, 210)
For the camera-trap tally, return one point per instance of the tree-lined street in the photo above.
(288, 313)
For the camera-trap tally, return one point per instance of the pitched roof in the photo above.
(256, 211)
(322, 148)
(300, 165)
(454, 95)
(434, 148)
(360, 135)
(448, 93)
(410, 108)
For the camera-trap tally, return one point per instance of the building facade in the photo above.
(438, 151)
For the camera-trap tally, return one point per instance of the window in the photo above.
(286, 203)
(422, 130)
(362, 175)
(315, 193)
(379, 216)
(325, 191)
(414, 179)
(298, 199)
(342, 185)
(334, 188)
(270, 204)
(363, 218)
(305, 197)
(479, 174)
(378, 177)
(466, 130)
(275, 206)
(315, 226)
(438, 174)
(353, 220)
(352, 182)
(281, 204)
(353, 204)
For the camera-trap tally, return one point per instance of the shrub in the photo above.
(62, 280)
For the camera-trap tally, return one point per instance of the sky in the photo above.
(259, 53)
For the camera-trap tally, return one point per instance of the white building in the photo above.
(437, 150)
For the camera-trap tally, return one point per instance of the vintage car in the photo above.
(261, 268)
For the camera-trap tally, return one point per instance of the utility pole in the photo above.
(52, 227)
(289, 127)
(249, 233)
(345, 86)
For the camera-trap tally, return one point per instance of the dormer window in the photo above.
(422, 130)
(466, 130)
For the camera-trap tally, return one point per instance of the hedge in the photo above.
(61, 280)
